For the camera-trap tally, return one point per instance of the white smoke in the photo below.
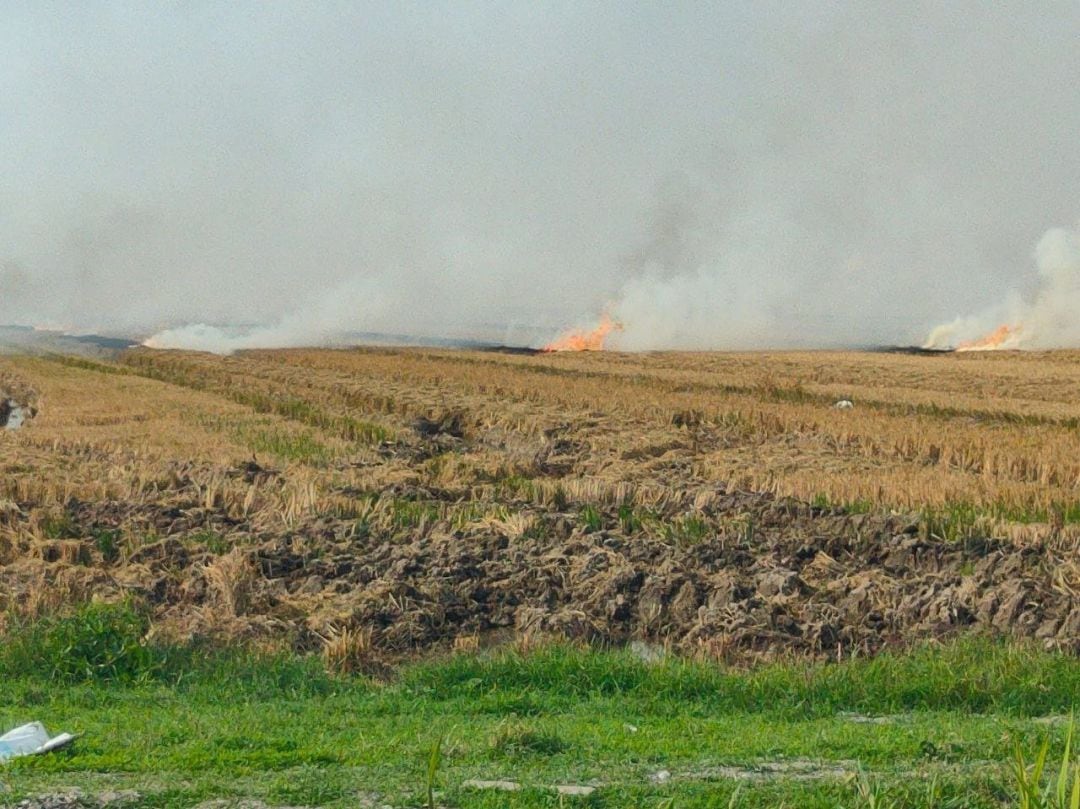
(718, 175)
(1047, 320)
(1053, 319)
(327, 320)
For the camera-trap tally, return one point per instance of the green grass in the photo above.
(687, 530)
(630, 519)
(183, 724)
(856, 506)
(261, 435)
(591, 519)
(959, 521)
(301, 410)
(107, 543)
(956, 521)
(411, 513)
(516, 487)
(98, 642)
(301, 447)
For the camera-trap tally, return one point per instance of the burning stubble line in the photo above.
(1045, 320)
(585, 340)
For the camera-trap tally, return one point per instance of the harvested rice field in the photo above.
(381, 516)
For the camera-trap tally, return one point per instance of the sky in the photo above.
(736, 175)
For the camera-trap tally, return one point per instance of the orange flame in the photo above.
(1004, 336)
(578, 340)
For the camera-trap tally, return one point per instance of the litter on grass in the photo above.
(31, 739)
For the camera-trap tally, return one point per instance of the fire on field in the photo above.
(379, 503)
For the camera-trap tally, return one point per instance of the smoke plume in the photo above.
(737, 175)
(1047, 320)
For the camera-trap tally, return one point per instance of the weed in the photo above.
(361, 529)
(300, 447)
(108, 544)
(59, 526)
(629, 519)
(1035, 792)
(954, 523)
(869, 794)
(859, 505)
(464, 515)
(94, 642)
(213, 541)
(591, 519)
(410, 514)
(687, 530)
(516, 486)
(434, 761)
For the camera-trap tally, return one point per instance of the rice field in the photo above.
(995, 434)
(319, 448)
(505, 573)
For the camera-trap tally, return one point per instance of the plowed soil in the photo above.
(788, 577)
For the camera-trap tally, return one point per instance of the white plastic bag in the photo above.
(30, 739)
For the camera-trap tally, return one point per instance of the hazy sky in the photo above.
(718, 175)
